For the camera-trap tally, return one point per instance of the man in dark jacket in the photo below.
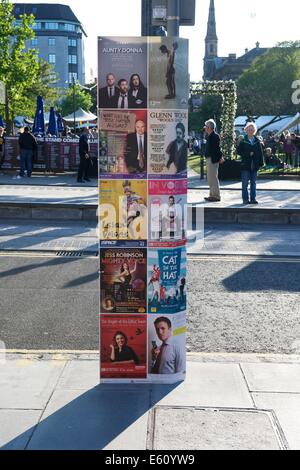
(251, 151)
(178, 150)
(28, 146)
(136, 149)
(213, 156)
(85, 160)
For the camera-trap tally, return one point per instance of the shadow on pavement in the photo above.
(92, 420)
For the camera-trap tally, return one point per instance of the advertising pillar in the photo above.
(143, 91)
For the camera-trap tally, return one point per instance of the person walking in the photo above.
(251, 151)
(28, 146)
(2, 147)
(85, 159)
(214, 157)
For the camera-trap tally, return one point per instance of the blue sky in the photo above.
(240, 24)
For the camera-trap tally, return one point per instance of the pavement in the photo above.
(60, 197)
(228, 402)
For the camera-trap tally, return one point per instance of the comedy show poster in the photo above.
(168, 146)
(123, 144)
(167, 280)
(123, 346)
(167, 210)
(169, 77)
(123, 72)
(167, 347)
(123, 280)
(123, 210)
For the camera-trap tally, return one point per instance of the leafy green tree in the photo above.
(76, 98)
(43, 86)
(18, 66)
(266, 88)
(210, 108)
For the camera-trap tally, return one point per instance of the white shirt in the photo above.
(125, 101)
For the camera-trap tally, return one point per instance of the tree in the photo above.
(266, 88)
(210, 108)
(77, 97)
(43, 86)
(18, 66)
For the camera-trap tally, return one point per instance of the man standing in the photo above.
(2, 146)
(108, 94)
(214, 157)
(178, 150)
(169, 358)
(28, 145)
(136, 149)
(170, 75)
(123, 100)
(85, 159)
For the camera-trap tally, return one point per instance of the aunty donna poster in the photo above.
(123, 280)
(123, 144)
(123, 73)
(168, 146)
(123, 345)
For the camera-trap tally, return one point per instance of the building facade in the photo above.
(58, 39)
(224, 68)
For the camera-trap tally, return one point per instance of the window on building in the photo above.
(37, 25)
(34, 11)
(34, 42)
(73, 75)
(52, 59)
(51, 42)
(51, 26)
(212, 48)
(72, 59)
(70, 27)
(72, 42)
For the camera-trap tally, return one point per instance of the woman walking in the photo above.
(250, 149)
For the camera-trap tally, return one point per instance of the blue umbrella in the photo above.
(60, 126)
(1, 121)
(39, 120)
(52, 127)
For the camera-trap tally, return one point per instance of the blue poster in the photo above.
(167, 280)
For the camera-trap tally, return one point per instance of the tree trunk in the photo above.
(9, 123)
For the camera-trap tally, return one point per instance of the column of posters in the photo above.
(143, 87)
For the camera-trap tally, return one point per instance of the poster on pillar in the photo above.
(143, 93)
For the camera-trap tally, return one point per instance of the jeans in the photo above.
(246, 177)
(26, 162)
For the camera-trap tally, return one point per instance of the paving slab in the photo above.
(71, 378)
(220, 385)
(287, 410)
(93, 420)
(26, 384)
(16, 428)
(284, 378)
(198, 429)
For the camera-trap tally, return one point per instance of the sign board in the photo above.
(187, 12)
(143, 128)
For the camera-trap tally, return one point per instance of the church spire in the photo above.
(211, 25)
(211, 39)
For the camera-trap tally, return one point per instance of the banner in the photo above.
(143, 92)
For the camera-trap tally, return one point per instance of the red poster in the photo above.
(123, 346)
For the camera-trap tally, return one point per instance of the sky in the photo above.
(240, 24)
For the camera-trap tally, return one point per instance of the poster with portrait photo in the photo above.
(168, 146)
(167, 210)
(123, 346)
(167, 347)
(167, 270)
(169, 78)
(122, 73)
(123, 280)
(123, 144)
(123, 212)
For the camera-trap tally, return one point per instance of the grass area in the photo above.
(194, 163)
